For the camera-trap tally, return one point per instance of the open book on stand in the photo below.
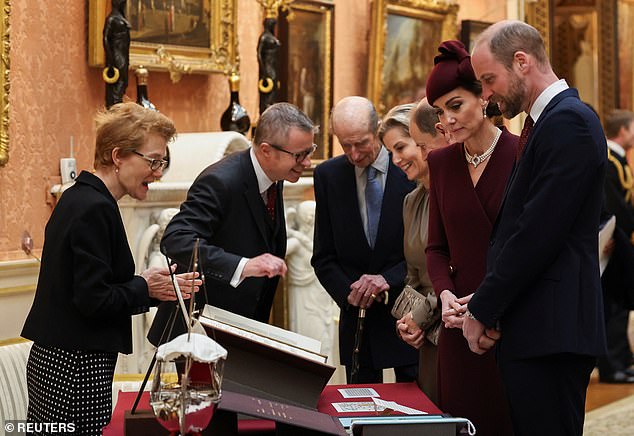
(267, 361)
(266, 334)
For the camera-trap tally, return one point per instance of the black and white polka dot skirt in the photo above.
(70, 387)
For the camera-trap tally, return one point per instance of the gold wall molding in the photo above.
(18, 276)
(14, 290)
(5, 64)
(13, 341)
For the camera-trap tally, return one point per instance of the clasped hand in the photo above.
(480, 338)
(160, 287)
(453, 308)
(368, 288)
(410, 332)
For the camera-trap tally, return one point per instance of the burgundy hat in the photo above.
(452, 68)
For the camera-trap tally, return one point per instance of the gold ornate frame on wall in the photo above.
(625, 44)
(307, 61)
(540, 14)
(4, 81)
(221, 55)
(432, 12)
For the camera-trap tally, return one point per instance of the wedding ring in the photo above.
(372, 296)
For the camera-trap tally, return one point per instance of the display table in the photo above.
(405, 394)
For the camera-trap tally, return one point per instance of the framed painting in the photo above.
(581, 38)
(625, 25)
(179, 36)
(470, 30)
(306, 35)
(4, 81)
(575, 50)
(404, 42)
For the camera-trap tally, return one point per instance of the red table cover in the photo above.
(406, 394)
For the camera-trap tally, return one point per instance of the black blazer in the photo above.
(542, 281)
(342, 254)
(87, 290)
(615, 193)
(618, 277)
(225, 210)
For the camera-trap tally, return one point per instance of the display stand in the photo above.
(289, 419)
(267, 367)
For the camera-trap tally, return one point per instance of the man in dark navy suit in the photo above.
(542, 288)
(358, 250)
(617, 280)
(235, 207)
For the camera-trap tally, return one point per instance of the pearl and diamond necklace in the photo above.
(476, 160)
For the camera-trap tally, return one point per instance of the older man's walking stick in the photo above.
(358, 337)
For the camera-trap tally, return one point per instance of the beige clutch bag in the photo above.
(424, 310)
(409, 299)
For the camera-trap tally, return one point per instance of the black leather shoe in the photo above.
(617, 377)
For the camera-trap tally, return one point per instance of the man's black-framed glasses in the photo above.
(155, 164)
(300, 156)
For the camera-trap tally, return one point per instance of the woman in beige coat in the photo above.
(410, 132)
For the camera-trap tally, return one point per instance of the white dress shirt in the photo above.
(264, 183)
(544, 98)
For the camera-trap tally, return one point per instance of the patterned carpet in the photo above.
(615, 419)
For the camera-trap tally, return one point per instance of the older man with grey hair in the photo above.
(358, 248)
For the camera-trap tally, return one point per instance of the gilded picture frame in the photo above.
(625, 44)
(5, 65)
(546, 16)
(180, 37)
(405, 35)
(470, 30)
(307, 64)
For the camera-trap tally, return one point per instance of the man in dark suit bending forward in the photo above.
(235, 207)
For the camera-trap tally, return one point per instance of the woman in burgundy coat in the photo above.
(468, 180)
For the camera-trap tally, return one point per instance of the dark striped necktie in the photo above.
(271, 199)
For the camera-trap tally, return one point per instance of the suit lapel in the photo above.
(253, 198)
(570, 92)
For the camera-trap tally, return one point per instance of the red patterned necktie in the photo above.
(526, 131)
(271, 198)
